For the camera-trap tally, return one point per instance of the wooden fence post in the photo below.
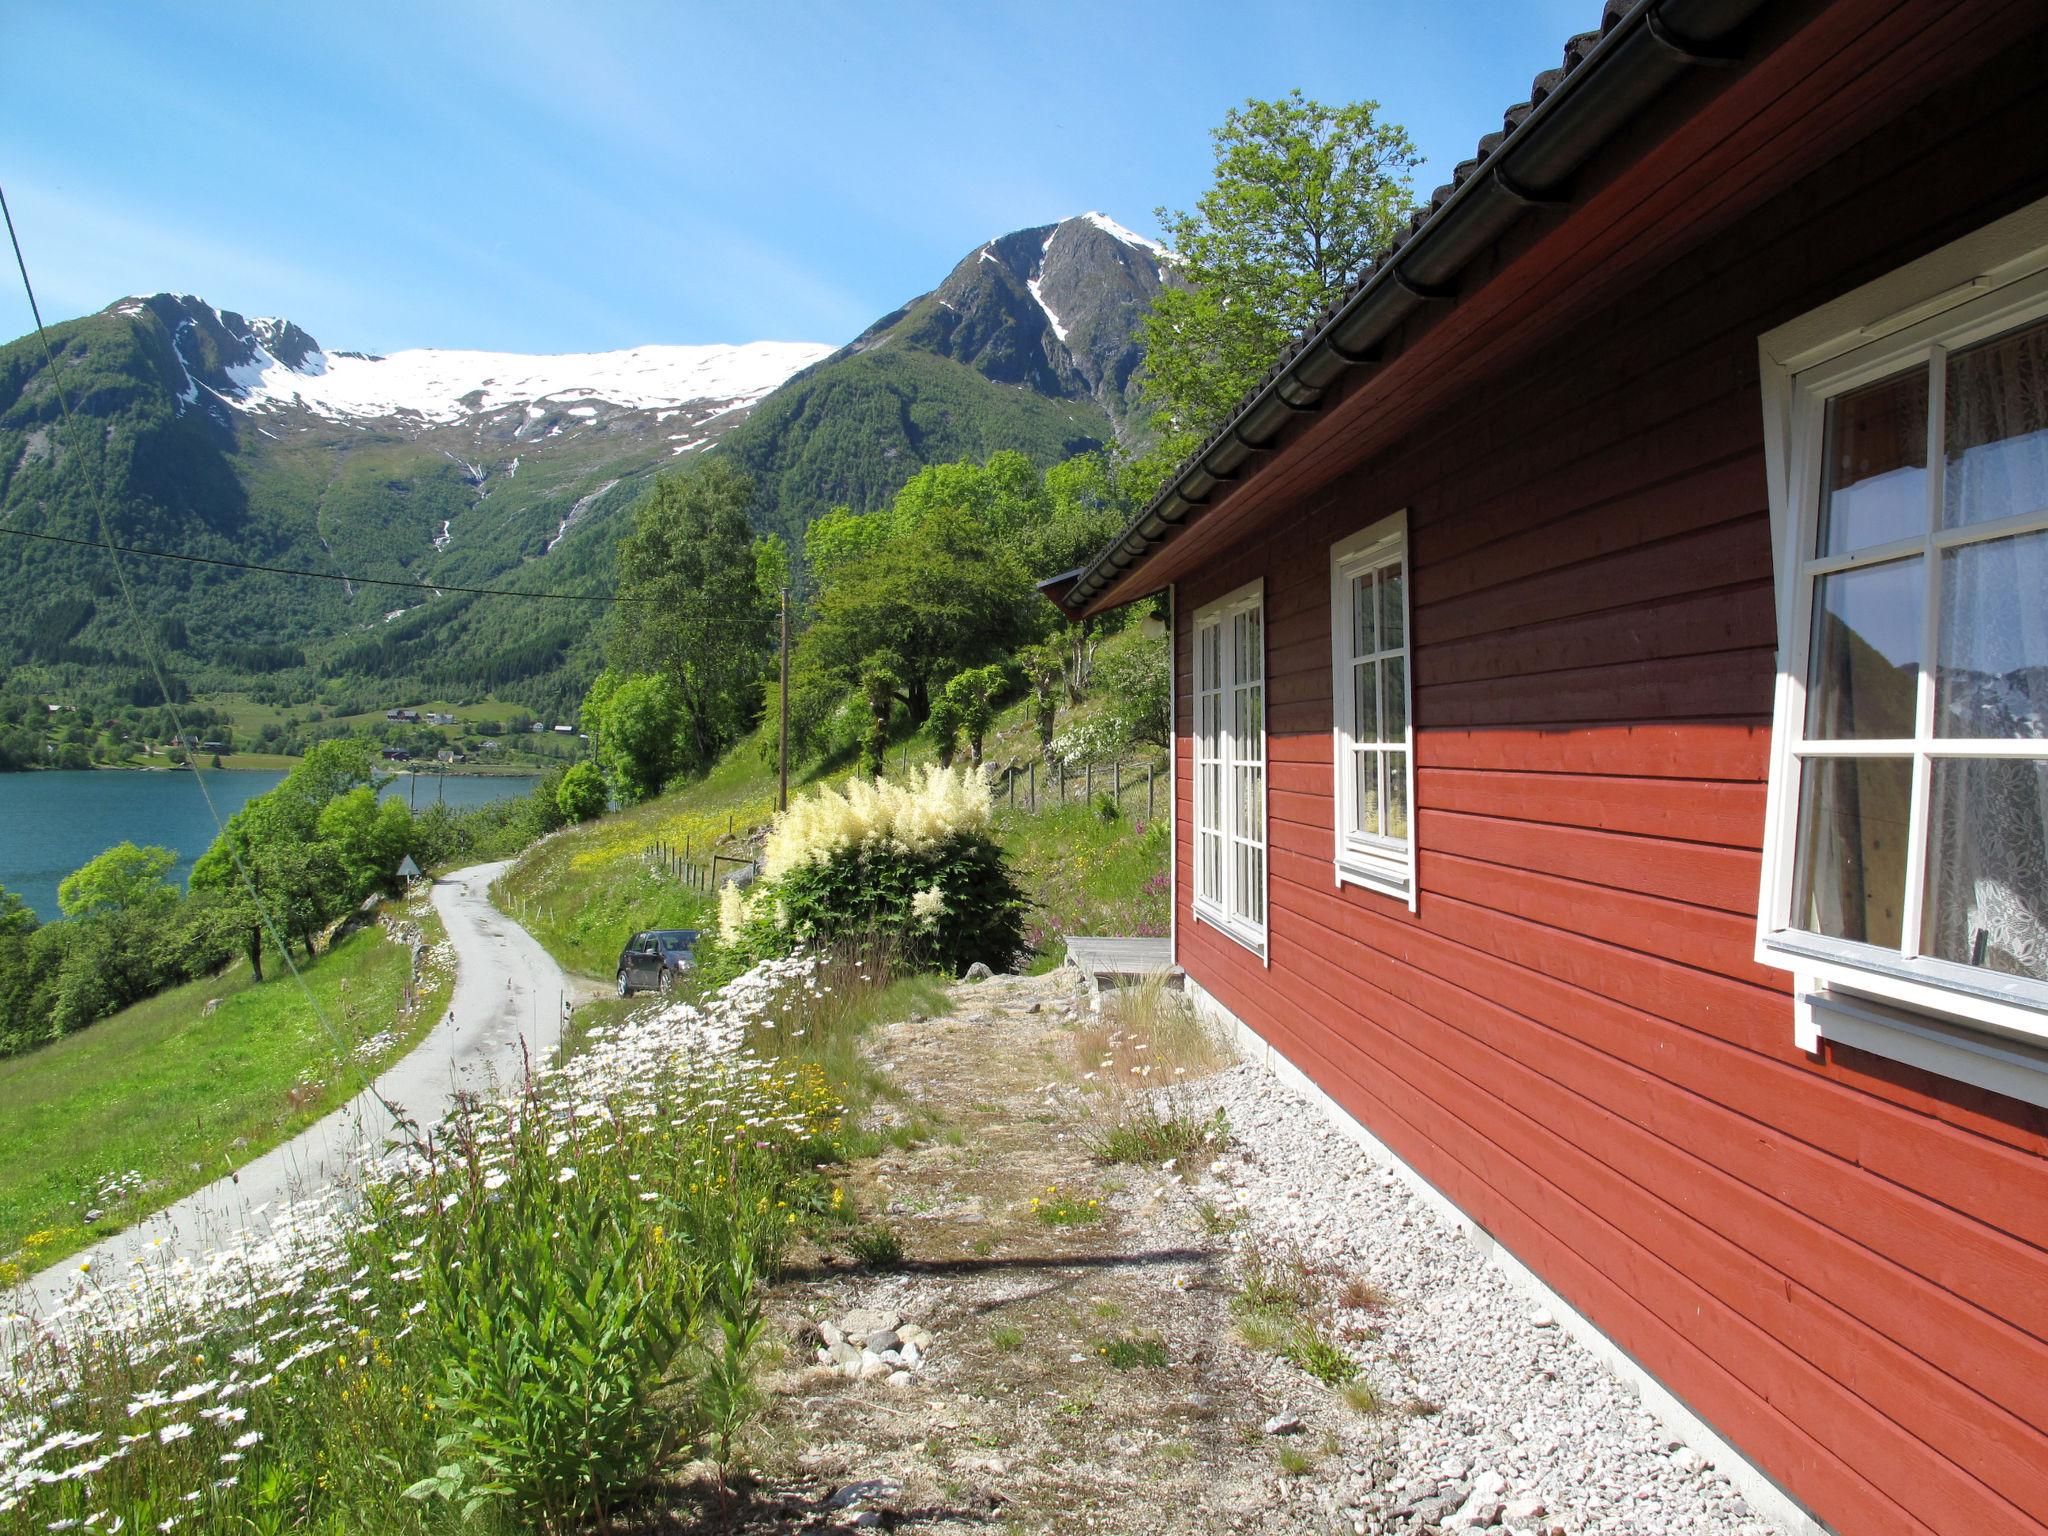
(1119, 781)
(1088, 782)
(1148, 791)
(1033, 805)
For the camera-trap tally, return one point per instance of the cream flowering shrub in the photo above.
(912, 865)
(914, 818)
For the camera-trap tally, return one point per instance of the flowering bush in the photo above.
(911, 865)
(482, 1322)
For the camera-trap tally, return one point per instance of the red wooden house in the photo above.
(1611, 668)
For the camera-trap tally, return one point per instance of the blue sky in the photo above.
(552, 178)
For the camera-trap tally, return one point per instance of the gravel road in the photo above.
(508, 1003)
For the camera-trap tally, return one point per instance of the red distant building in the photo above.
(1611, 669)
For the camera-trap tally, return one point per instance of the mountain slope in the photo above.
(1027, 344)
(245, 440)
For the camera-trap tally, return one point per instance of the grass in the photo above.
(875, 1245)
(1277, 1308)
(1006, 1338)
(1130, 1352)
(1297, 1461)
(1053, 1209)
(1134, 1061)
(164, 1097)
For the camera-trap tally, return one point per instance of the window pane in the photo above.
(1247, 655)
(1987, 865)
(1364, 791)
(1997, 438)
(1366, 700)
(1394, 698)
(1362, 640)
(1393, 622)
(1874, 478)
(1991, 658)
(1212, 795)
(1397, 794)
(1866, 652)
(1849, 874)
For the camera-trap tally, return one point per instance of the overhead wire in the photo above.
(272, 928)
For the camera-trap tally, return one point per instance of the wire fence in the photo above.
(1026, 788)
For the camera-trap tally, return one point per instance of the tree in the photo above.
(1045, 670)
(582, 795)
(691, 607)
(123, 879)
(643, 723)
(1305, 194)
(944, 726)
(972, 697)
(932, 600)
(367, 838)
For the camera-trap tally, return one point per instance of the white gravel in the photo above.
(1525, 1415)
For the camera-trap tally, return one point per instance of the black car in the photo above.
(652, 961)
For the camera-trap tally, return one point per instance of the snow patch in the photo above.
(438, 385)
(1057, 329)
(1114, 230)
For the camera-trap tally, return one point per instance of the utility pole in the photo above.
(782, 699)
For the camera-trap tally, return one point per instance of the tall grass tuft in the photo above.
(1136, 1062)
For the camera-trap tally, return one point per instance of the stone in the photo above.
(862, 1321)
(977, 972)
(1524, 1511)
(1489, 1485)
(829, 1332)
(844, 1353)
(882, 1340)
(1686, 1461)
(912, 1355)
(869, 1491)
(901, 1379)
(1541, 1318)
(1284, 1424)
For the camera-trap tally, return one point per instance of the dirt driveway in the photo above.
(1083, 1376)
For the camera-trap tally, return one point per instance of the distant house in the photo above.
(436, 717)
(1609, 659)
(397, 755)
(409, 716)
(565, 730)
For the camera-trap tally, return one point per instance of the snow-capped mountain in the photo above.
(271, 366)
(1052, 307)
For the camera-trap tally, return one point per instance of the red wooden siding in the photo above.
(1842, 1265)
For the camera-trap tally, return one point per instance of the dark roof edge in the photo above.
(1576, 110)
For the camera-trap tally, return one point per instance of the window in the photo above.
(1906, 857)
(1375, 765)
(1230, 765)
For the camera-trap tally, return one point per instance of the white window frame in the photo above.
(1941, 1015)
(1218, 911)
(1384, 864)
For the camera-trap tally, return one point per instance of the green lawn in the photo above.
(584, 891)
(169, 1097)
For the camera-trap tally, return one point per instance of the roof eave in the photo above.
(1645, 49)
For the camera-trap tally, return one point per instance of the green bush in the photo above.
(583, 796)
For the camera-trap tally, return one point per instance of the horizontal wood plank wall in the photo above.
(1841, 1264)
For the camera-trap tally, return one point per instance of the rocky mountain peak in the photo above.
(1052, 308)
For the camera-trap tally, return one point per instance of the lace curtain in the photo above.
(1988, 818)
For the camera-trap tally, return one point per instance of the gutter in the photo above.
(1531, 167)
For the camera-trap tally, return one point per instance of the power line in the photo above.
(268, 918)
(437, 587)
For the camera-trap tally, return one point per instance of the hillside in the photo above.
(1027, 344)
(244, 440)
(241, 439)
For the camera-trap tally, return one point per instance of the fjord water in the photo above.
(52, 822)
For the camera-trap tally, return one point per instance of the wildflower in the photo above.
(173, 1432)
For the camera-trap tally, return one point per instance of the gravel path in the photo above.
(507, 1003)
(1525, 1415)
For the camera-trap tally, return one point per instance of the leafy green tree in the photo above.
(881, 683)
(934, 600)
(691, 604)
(943, 724)
(972, 696)
(582, 795)
(367, 838)
(840, 537)
(123, 879)
(643, 725)
(1045, 671)
(1304, 195)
